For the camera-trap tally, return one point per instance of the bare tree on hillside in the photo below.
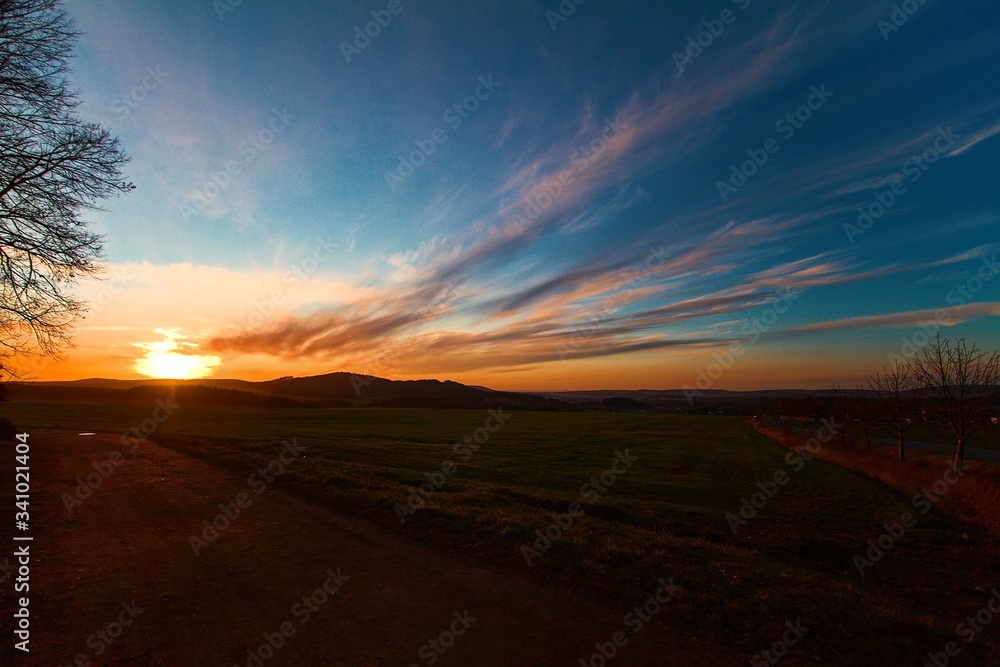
(962, 383)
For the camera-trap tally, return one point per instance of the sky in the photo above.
(530, 195)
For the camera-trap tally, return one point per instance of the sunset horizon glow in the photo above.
(532, 206)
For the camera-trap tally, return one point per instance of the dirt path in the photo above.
(130, 542)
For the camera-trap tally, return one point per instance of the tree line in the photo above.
(951, 383)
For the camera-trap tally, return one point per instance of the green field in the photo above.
(665, 517)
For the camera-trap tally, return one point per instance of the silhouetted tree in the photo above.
(840, 410)
(962, 382)
(53, 167)
(865, 409)
(897, 393)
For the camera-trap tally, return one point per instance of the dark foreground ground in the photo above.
(128, 546)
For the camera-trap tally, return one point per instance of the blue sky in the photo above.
(258, 149)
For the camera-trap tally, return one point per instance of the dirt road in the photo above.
(118, 582)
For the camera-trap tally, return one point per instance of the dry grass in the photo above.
(975, 498)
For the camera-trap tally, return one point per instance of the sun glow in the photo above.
(167, 359)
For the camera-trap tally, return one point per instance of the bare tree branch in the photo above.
(962, 383)
(53, 167)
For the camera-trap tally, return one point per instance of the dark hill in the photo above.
(330, 390)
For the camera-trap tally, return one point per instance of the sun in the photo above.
(165, 360)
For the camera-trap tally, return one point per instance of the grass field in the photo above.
(665, 517)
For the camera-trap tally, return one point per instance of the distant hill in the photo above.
(334, 390)
(330, 390)
(710, 401)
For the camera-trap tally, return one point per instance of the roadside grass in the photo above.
(988, 438)
(666, 517)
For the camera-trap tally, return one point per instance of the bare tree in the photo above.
(962, 382)
(53, 167)
(840, 410)
(866, 411)
(897, 394)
